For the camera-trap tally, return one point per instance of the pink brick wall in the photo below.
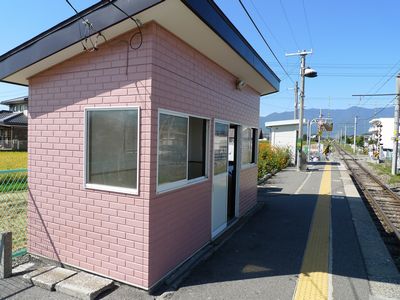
(135, 239)
(184, 80)
(99, 231)
(248, 189)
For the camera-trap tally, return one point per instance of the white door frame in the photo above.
(238, 169)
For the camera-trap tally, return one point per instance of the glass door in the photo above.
(220, 179)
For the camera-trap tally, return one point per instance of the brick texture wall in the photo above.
(99, 231)
(134, 239)
(186, 81)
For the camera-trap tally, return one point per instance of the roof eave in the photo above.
(17, 65)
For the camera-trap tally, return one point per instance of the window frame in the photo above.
(166, 187)
(254, 148)
(102, 187)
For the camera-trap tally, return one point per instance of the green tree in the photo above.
(360, 141)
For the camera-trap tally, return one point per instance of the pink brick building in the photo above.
(143, 151)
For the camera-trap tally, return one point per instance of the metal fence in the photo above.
(13, 207)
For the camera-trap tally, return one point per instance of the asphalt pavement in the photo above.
(263, 259)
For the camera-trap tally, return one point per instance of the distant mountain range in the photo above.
(340, 117)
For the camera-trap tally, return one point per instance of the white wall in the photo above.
(285, 136)
(387, 132)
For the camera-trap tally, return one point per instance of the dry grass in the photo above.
(13, 216)
(13, 197)
(13, 160)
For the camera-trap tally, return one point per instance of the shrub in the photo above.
(271, 158)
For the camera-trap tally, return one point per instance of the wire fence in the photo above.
(13, 207)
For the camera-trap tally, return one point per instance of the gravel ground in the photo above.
(366, 162)
(16, 261)
(391, 242)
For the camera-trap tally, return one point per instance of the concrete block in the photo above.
(28, 277)
(5, 255)
(84, 286)
(23, 268)
(49, 279)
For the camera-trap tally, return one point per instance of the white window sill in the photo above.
(167, 187)
(109, 188)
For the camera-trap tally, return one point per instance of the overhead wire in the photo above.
(89, 29)
(384, 83)
(266, 26)
(290, 26)
(380, 110)
(265, 41)
(307, 24)
(138, 25)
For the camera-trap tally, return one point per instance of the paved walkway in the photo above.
(312, 239)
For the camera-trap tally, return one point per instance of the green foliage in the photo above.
(360, 141)
(271, 158)
(386, 169)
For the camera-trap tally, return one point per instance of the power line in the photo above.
(265, 41)
(382, 109)
(390, 77)
(307, 24)
(266, 26)
(89, 30)
(290, 26)
(346, 75)
(137, 25)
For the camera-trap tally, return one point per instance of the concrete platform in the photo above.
(84, 286)
(265, 258)
(48, 280)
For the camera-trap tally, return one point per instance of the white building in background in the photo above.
(383, 127)
(284, 134)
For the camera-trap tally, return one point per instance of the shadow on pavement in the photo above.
(272, 244)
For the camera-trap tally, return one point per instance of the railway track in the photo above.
(384, 201)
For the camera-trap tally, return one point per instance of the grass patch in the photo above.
(10, 160)
(13, 197)
(348, 148)
(385, 168)
(13, 217)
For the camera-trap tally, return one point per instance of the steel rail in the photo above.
(367, 193)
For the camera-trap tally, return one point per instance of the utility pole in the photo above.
(311, 73)
(341, 136)
(319, 133)
(296, 99)
(308, 139)
(396, 127)
(345, 134)
(355, 133)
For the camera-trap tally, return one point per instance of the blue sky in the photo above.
(355, 44)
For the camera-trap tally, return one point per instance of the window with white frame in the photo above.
(182, 149)
(111, 161)
(249, 145)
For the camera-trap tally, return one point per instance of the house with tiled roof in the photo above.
(14, 124)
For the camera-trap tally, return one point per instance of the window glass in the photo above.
(197, 148)
(220, 148)
(112, 147)
(248, 145)
(172, 149)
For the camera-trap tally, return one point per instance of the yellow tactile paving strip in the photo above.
(313, 281)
